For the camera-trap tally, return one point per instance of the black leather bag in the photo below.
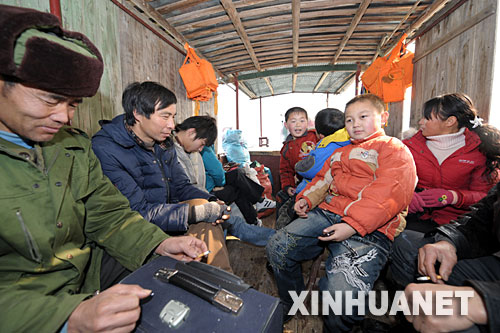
(259, 312)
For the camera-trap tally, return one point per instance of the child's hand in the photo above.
(291, 191)
(338, 232)
(301, 207)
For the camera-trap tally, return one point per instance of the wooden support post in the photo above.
(260, 105)
(358, 71)
(263, 140)
(395, 122)
(237, 91)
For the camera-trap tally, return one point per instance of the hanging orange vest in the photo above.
(388, 77)
(199, 78)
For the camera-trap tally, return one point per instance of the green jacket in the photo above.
(57, 212)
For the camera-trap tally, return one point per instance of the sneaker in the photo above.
(265, 204)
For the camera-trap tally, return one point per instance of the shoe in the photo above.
(269, 268)
(265, 204)
(370, 325)
(259, 223)
(286, 316)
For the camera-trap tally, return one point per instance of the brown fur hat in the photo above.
(46, 64)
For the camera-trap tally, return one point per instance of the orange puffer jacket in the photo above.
(368, 183)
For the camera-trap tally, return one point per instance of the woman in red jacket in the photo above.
(457, 159)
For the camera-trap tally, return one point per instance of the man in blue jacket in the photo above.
(137, 154)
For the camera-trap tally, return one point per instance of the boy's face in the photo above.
(296, 124)
(191, 143)
(362, 119)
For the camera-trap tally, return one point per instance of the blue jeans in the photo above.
(250, 233)
(353, 264)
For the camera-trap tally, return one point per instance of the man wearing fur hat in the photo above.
(58, 212)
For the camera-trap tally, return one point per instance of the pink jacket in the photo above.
(461, 171)
(369, 183)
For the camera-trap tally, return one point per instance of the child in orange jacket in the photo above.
(352, 207)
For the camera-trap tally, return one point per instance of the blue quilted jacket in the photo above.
(154, 183)
(313, 163)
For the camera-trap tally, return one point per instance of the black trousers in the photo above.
(413, 222)
(243, 191)
(112, 271)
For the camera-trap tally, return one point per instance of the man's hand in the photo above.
(301, 207)
(476, 311)
(210, 212)
(290, 191)
(443, 252)
(185, 248)
(339, 232)
(114, 310)
(225, 215)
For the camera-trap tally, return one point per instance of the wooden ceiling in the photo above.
(272, 44)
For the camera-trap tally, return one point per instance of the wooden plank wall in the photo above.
(394, 126)
(130, 51)
(146, 57)
(42, 5)
(97, 20)
(462, 64)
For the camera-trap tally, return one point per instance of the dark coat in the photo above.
(154, 183)
(477, 234)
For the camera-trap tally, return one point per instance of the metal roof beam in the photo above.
(301, 69)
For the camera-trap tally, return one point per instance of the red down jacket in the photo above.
(462, 172)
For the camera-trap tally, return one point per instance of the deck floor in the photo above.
(249, 263)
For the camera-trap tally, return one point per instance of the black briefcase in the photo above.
(174, 309)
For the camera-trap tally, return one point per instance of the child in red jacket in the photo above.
(297, 145)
